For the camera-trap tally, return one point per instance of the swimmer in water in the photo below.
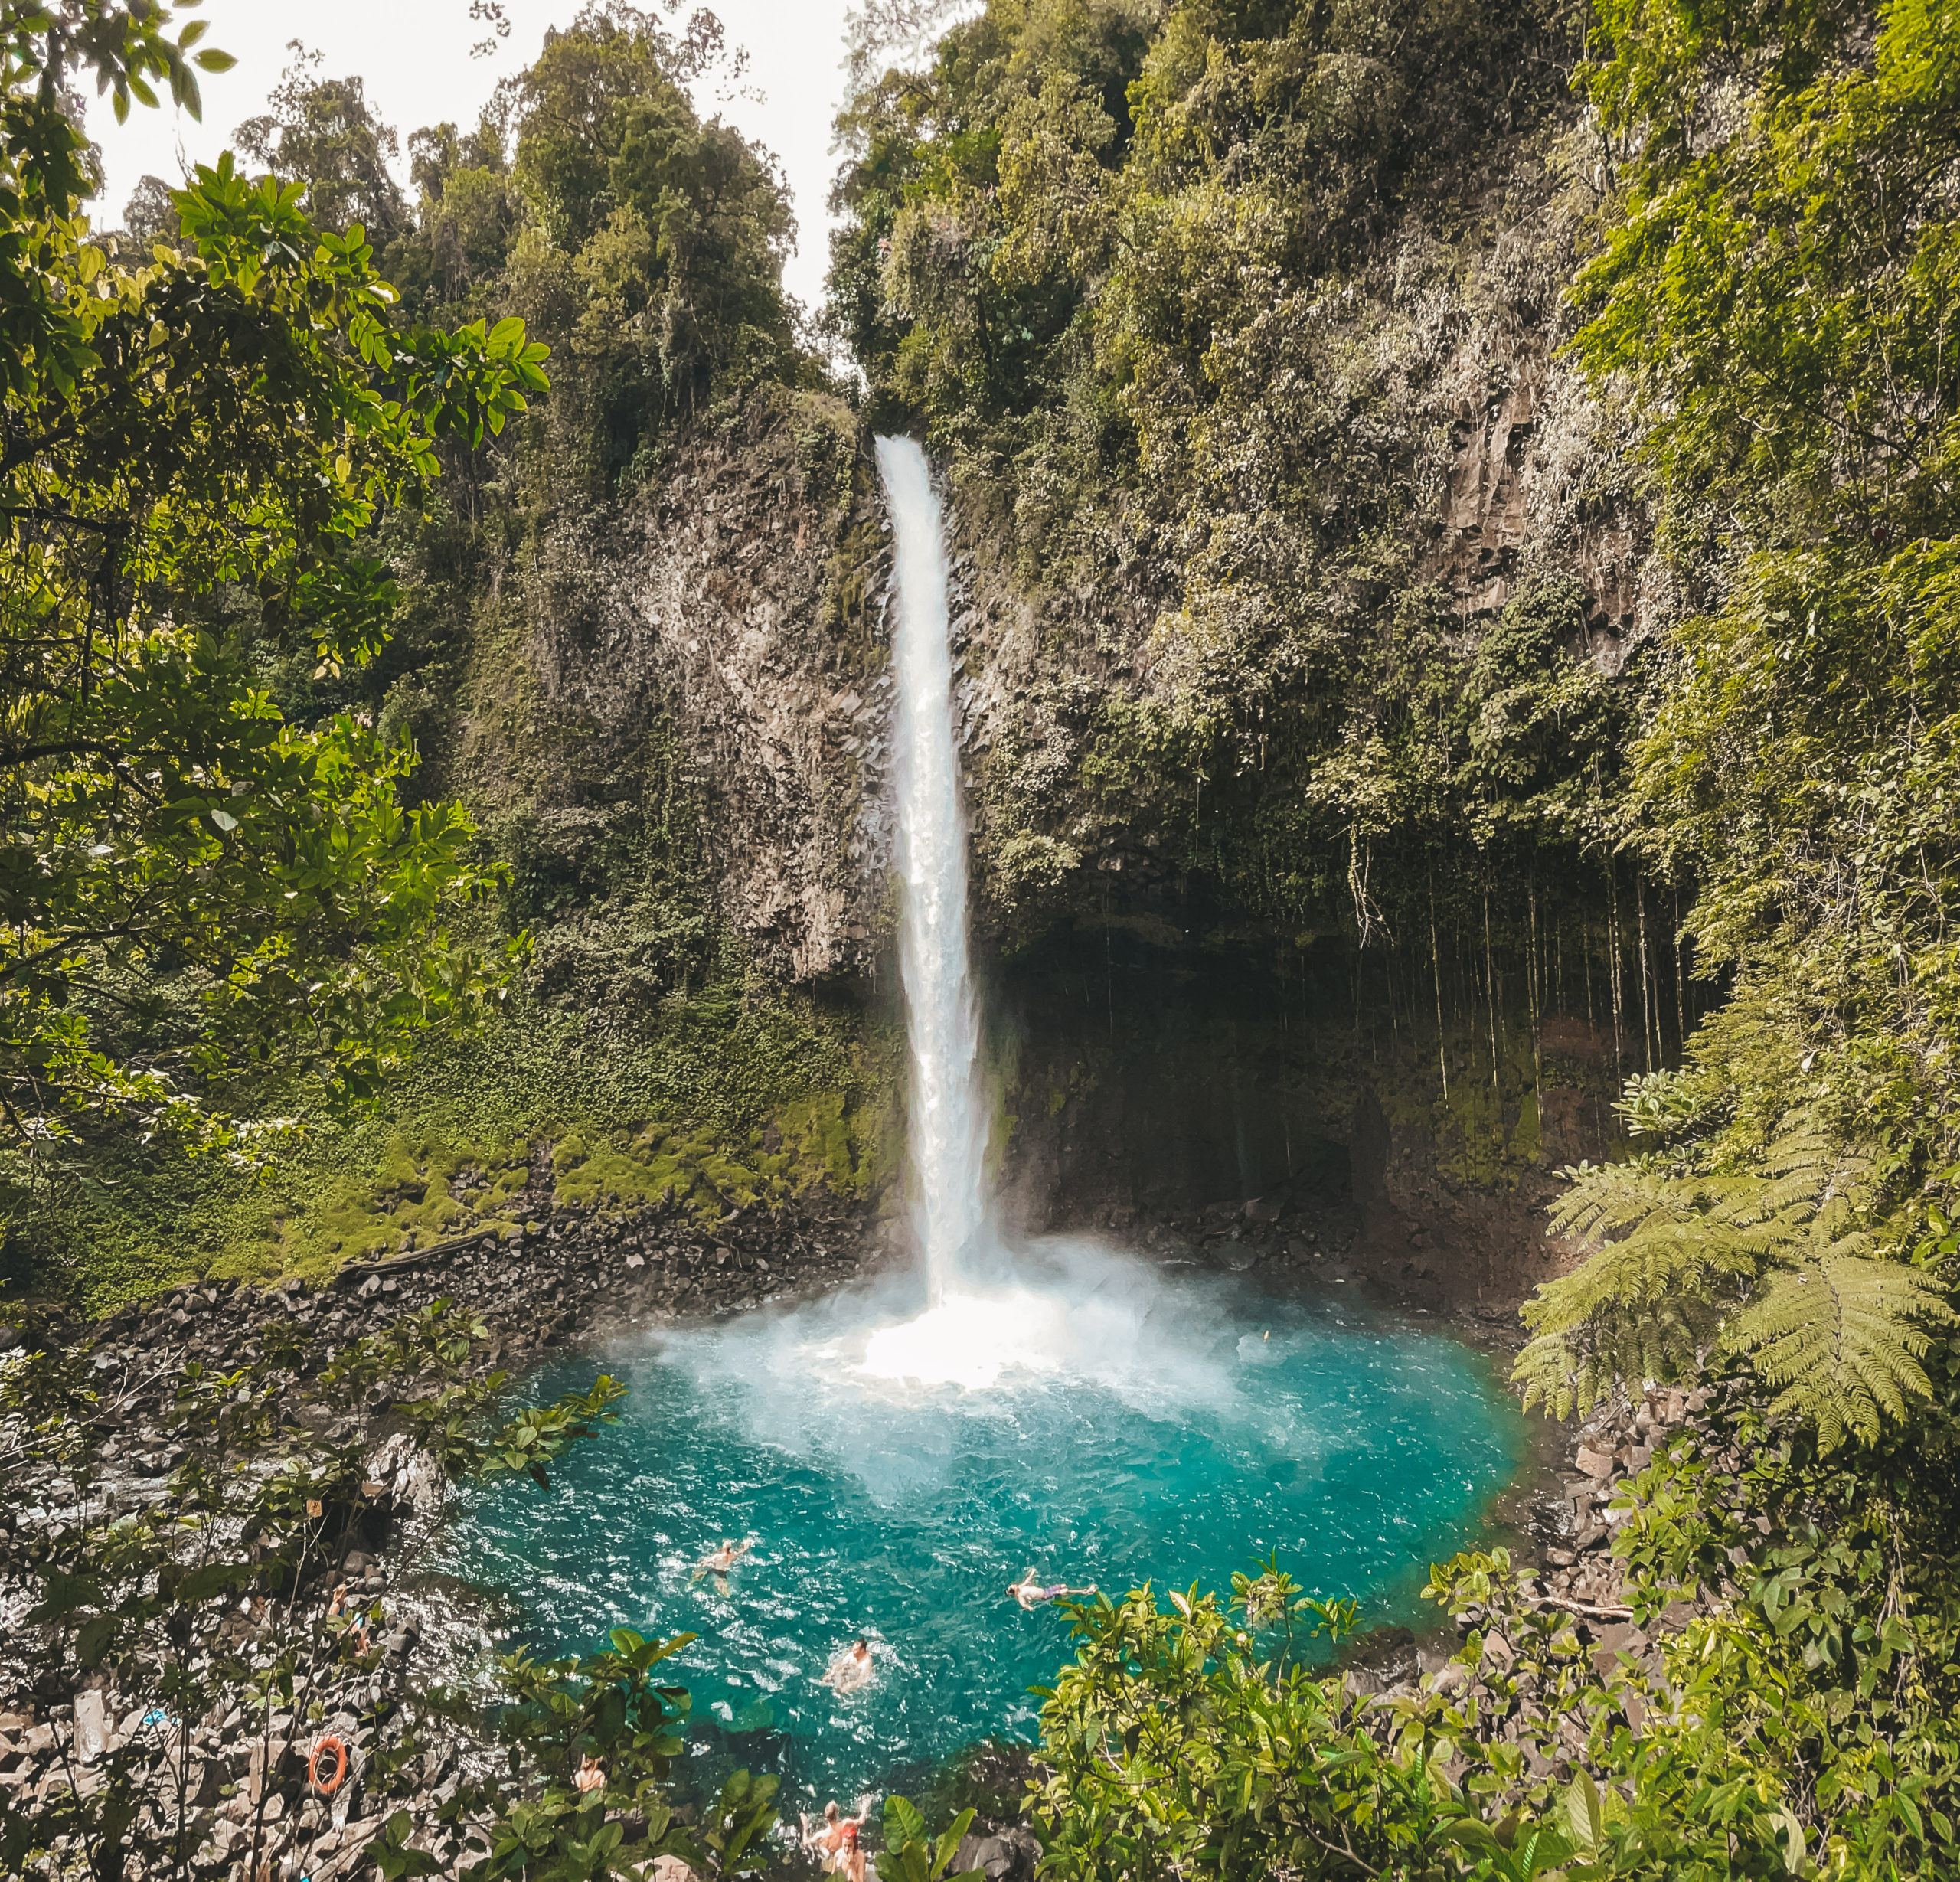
(720, 1561)
(826, 1839)
(1031, 1593)
(851, 1669)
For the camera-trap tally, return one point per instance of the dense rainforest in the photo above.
(1453, 502)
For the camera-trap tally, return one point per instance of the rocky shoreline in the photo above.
(578, 1274)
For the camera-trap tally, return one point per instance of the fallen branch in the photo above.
(1588, 1610)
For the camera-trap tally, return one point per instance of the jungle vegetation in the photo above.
(1205, 303)
(1208, 304)
(228, 955)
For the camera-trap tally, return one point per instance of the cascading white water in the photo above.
(992, 1314)
(948, 1120)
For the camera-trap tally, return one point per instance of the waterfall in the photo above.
(948, 1134)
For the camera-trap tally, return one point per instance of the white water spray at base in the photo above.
(948, 1137)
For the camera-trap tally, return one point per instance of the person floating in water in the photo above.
(851, 1669)
(1031, 1593)
(718, 1562)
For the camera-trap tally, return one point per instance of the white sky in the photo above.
(414, 55)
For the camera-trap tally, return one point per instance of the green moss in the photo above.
(738, 1098)
(418, 1192)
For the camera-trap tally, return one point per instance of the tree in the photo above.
(468, 211)
(1774, 291)
(149, 217)
(656, 239)
(571, 99)
(194, 892)
(321, 132)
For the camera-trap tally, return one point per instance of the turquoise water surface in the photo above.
(1143, 1425)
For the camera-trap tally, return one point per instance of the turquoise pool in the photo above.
(1097, 1418)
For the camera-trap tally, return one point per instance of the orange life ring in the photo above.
(339, 1750)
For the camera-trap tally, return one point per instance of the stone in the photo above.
(1597, 1465)
(1007, 1855)
(671, 1869)
(93, 1737)
(201, 1777)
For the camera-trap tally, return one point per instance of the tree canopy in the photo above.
(197, 444)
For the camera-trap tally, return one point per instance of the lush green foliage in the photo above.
(1777, 1264)
(1805, 1728)
(306, 901)
(1190, 296)
(192, 886)
(644, 243)
(1775, 290)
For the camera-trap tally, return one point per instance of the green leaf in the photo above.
(95, 1639)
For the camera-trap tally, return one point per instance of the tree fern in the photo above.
(1841, 1332)
(1774, 1266)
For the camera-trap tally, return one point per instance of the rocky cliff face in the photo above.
(1525, 480)
(720, 636)
(717, 637)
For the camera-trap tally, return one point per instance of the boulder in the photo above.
(1005, 1855)
(672, 1869)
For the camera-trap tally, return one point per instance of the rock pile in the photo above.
(243, 1768)
(1517, 1673)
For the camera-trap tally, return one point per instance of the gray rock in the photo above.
(1007, 1855)
(93, 1736)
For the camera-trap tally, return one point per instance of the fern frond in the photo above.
(1572, 1370)
(1667, 1257)
(1774, 1261)
(1603, 1198)
(1842, 1332)
(1808, 1147)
